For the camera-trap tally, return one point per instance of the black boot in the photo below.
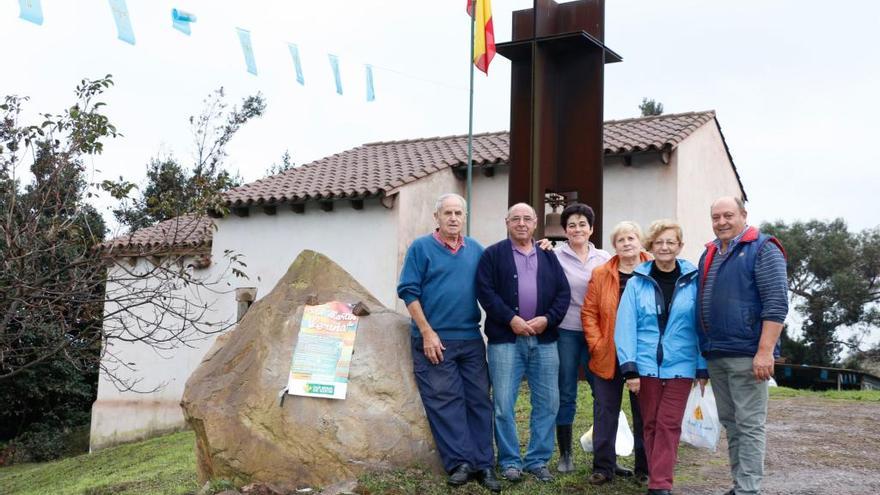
(563, 439)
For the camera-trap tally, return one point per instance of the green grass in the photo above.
(166, 465)
(419, 482)
(859, 395)
(163, 465)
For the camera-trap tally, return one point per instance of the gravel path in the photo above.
(814, 447)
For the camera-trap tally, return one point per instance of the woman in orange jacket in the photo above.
(598, 314)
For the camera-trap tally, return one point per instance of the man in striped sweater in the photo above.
(743, 300)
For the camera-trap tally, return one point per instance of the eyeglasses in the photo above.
(525, 219)
(662, 243)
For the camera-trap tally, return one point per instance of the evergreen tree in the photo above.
(834, 278)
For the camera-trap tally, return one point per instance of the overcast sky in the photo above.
(794, 83)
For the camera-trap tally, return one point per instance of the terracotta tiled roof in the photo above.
(377, 168)
(185, 233)
(662, 132)
(370, 169)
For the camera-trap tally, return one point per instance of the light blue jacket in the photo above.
(646, 346)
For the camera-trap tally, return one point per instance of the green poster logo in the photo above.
(320, 388)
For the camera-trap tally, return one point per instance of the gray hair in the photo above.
(444, 197)
(535, 213)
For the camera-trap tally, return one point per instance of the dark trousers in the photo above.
(609, 396)
(455, 393)
(662, 403)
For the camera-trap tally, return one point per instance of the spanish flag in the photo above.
(484, 33)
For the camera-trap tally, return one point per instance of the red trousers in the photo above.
(662, 403)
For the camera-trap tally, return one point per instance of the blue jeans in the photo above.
(573, 353)
(539, 364)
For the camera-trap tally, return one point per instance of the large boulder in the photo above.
(232, 401)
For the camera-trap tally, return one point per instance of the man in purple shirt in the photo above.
(525, 294)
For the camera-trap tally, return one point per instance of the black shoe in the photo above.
(730, 492)
(459, 475)
(622, 471)
(486, 477)
(597, 479)
(658, 491)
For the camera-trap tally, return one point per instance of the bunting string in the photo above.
(31, 11)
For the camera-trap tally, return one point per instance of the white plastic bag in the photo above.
(624, 442)
(587, 440)
(700, 426)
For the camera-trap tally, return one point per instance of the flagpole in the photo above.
(470, 144)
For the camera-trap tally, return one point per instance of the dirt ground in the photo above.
(814, 447)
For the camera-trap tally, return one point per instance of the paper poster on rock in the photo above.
(322, 356)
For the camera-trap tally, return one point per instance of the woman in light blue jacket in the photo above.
(657, 347)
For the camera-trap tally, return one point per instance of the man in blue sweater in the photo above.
(525, 294)
(449, 356)
(742, 303)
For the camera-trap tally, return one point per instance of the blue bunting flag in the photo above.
(371, 93)
(294, 54)
(244, 36)
(334, 64)
(31, 11)
(123, 21)
(182, 21)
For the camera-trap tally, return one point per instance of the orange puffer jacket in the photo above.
(599, 313)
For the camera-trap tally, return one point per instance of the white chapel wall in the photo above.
(121, 416)
(642, 192)
(360, 241)
(704, 174)
(489, 206)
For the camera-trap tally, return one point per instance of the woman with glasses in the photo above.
(656, 339)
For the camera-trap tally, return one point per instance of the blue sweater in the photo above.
(497, 291)
(443, 283)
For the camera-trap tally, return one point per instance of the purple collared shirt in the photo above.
(578, 274)
(527, 281)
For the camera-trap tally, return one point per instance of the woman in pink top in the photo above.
(578, 258)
